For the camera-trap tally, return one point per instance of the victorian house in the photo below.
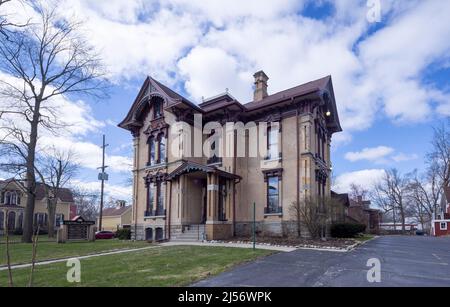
(13, 199)
(178, 188)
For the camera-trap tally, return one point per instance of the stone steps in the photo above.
(192, 234)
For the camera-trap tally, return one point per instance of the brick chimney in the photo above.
(260, 85)
(120, 204)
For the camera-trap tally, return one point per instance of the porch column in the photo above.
(213, 197)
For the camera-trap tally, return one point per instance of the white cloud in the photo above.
(115, 191)
(380, 155)
(79, 123)
(87, 154)
(212, 45)
(366, 178)
(370, 154)
(401, 157)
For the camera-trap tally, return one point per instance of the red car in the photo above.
(107, 235)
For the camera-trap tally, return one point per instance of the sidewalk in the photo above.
(236, 245)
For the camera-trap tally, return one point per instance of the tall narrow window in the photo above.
(272, 143)
(150, 198)
(273, 192)
(161, 149)
(151, 151)
(2, 220)
(13, 198)
(159, 200)
(7, 198)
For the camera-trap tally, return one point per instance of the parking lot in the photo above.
(405, 261)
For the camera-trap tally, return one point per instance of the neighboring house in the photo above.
(340, 213)
(13, 199)
(397, 227)
(73, 211)
(360, 211)
(117, 217)
(440, 225)
(174, 191)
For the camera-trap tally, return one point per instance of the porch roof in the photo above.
(190, 167)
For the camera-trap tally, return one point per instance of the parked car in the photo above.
(420, 233)
(104, 235)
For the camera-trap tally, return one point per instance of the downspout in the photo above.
(170, 209)
(298, 164)
(135, 184)
(234, 185)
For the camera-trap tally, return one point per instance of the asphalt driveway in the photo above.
(405, 261)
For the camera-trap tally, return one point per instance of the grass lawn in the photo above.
(18, 239)
(364, 238)
(21, 253)
(161, 266)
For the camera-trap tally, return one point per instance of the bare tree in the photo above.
(425, 192)
(86, 202)
(8, 255)
(55, 170)
(439, 157)
(314, 213)
(390, 194)
(5, 24)
(45, 60)
(357, 191)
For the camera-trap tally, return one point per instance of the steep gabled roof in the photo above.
(322, 88)
(115, 211)
(64, 194)
(172, 97)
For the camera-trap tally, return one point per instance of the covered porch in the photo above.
(207, 197)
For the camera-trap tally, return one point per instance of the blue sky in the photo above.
(390, 77)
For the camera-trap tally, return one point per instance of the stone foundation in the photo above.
(270, 229)
(218, 231)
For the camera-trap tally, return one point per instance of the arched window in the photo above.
(151, 151)
(7, 198)
(13, 198)
(157, 108)
(159, 234)
(11, 221)
(162, 153)
(149, 234)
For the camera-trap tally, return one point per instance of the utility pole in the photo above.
(103, 176)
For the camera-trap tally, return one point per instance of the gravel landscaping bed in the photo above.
(329, 243)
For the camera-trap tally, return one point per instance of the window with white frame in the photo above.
(443, 226)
